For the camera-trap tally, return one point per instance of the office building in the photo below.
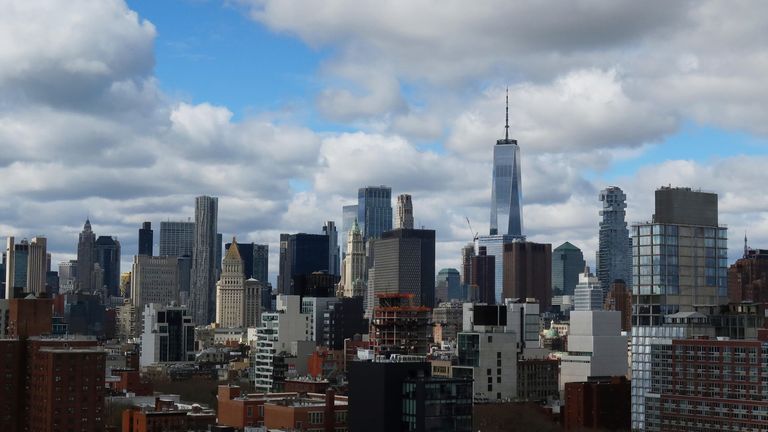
(404, 214)
(447, 285)
(567, 263)
(400, 394)
(537, 379)
(348, 217)
(154, 280)
(67, 276)
(588, 295)
(202, 294)
(488, 351)
(108, 258)
(230, 290)
(16, 261)
(261, 262)
(400, 326)
(329, 229)
(86, 258)
(619, 298)
(168, 336)
(300, 256)
(748, 277)
(599, 403)
(374, 211)
(614, 249)
(705, 385)
(467, 252)
(483, 279)
(506, 187)
(177, 238)
(353, 273)
(252, 300)
(404, 261)
(528, 272)
(596, 347)
(494, 246)
(146, 237)
(37, 266)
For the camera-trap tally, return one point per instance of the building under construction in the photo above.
(400, 327)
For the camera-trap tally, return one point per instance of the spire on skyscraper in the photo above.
(506, 127)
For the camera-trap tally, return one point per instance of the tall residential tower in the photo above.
(613, 255)
(204, 251)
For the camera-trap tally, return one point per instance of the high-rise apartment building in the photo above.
(404, 213)
(567, 263)
(404, 260)
(613, 255)
(146, 239)
(86, 258)
(348, 216)
(748, 277)
(177, 238)
(329, 229)
(527, 272)
(37, 265)
(203, 290)
(353, 279)
(679, 268)
(374, 210)
(506, 186)
(230, 290)
(108, 258)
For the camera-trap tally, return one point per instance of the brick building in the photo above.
(527, 272)
(11, 384)
(748, 277)
(599, 403)
(131, 381)
(619, 298)
(166, 416)
(310, 412)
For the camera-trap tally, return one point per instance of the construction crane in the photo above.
(476, 234)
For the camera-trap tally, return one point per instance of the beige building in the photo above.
(353, 269)
(154, 280)
(230, 290)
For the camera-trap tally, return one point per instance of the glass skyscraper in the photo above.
(613, 255)
(506, 193)
(374, 211)
(567, 264)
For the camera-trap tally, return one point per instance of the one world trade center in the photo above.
(506, 211)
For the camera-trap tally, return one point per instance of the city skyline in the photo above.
(151, 134)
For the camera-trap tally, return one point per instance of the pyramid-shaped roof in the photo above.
(566, 246)
(233, 252)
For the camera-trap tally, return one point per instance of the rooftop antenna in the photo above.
(506, 127)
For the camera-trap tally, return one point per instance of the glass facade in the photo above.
(440, 404)
(567, 263)
(677, 267)
(506, 189)
(374, 211)
(613, 255)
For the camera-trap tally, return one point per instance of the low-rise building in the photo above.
(601, 403)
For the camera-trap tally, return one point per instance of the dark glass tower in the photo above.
(506, 194)
(567, 263)
(145, 239)
(204, 266)
(374, 211)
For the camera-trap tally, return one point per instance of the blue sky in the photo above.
(329, 96)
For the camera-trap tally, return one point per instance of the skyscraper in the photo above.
(374, 211)
(353, 280)
(567, 264)
(108, 257)
(204, 251)
(613, 255)
(404, 261)
(329, 229)
(86, 257)
(154, 280)
(587, 296)
(300, 256)
(679, 271)
(447, 285)
(261, 262)
(37, 265)
(230, 290)
(404, 214)
(506, 196)
(145, 239)
(177, 238)
(528, 271)
(483, 271)
(348, 216)
(467, 252)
